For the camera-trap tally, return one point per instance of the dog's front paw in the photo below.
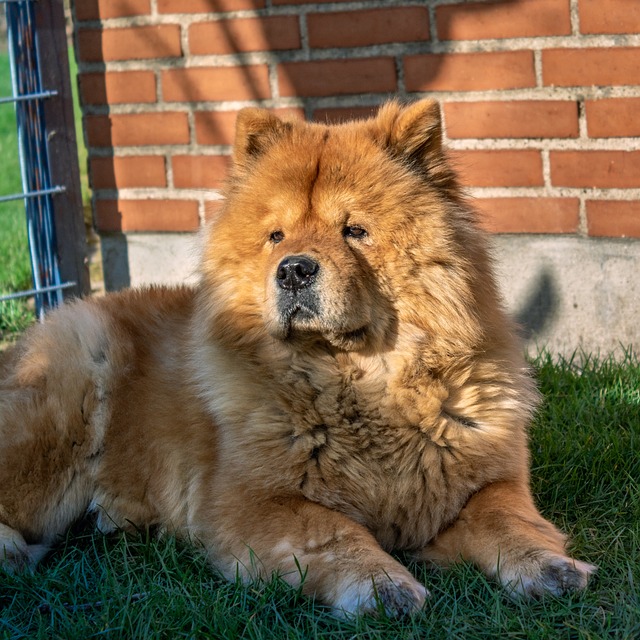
(551, 573)
(397, 594)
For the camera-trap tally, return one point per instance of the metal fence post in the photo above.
(51, 41)
(48, 151)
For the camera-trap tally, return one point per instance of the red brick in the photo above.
(133, 129)
(117, 87)
(337, 77)
(529, 215)
(585, 67)
(273, 33)
(613, 117)
(343, 114)
(128, 172)
(130, 43)
(198, 84)
(218, 127)
(604, 169)
(495, 20)
(469, 71)
(616, 219)
(517, 119)
(207, 6)
(104, 9)
(215, 127)
(609, 16)
(281, 2)
(147, 215)
(363, 28)
(498, 168)
(199, 172)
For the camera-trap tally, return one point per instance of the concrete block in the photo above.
(136, 259)
(570, 293)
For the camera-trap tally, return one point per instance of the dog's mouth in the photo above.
(296, 317)
(301, 318)
(301, 323)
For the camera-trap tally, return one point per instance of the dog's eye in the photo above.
(276, 236)
(354, 232)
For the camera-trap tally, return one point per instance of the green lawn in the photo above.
(586, 470)
(15, 272)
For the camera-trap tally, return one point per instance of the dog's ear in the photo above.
(256, 130)
(412, 133)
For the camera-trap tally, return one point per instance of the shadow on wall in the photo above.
(188, 87)
(540, 306)
(115, 253)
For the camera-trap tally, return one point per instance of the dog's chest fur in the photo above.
(350, 447)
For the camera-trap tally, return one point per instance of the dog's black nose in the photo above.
(296, 272)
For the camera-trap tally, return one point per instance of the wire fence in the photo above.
(38, 191)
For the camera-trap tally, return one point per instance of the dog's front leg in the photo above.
(330, 555)
(501, 531)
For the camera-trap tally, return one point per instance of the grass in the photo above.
(586, 474)
(15, 271)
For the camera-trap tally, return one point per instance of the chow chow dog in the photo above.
(342, 382)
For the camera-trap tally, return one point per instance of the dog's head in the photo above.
(338, 233)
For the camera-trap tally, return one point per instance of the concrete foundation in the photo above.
(135, 259)
(570, 293)
(566, 293)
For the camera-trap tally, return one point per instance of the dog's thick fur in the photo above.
(341, 383)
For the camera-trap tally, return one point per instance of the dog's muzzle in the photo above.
(297, 297)
(296, 272)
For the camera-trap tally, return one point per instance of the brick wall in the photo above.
(540, 98)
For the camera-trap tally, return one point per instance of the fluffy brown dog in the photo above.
(342, 382)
